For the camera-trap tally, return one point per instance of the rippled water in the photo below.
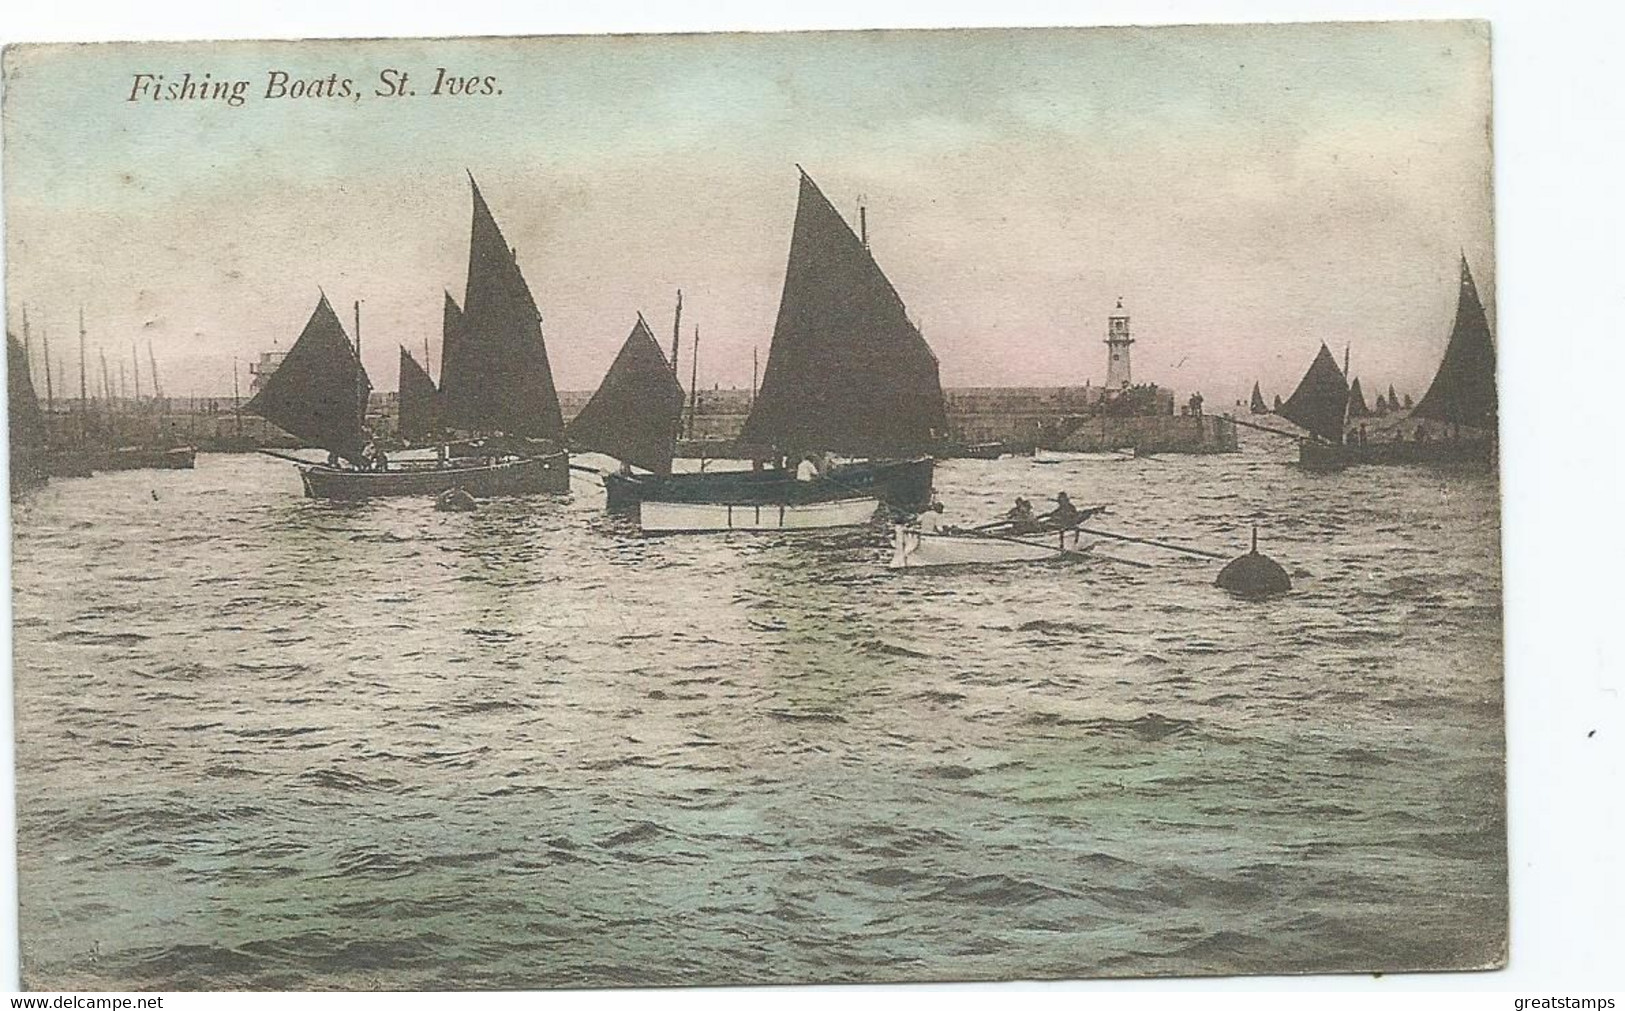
(269, 742)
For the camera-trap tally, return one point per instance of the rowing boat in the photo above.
(915, 550)
(656, 517)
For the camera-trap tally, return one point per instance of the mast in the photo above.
(135, 370)
(107, 379)
(84, 391)
(45, 340)
(676, 330)
(694, 381)
(123, 386)
(236, 398)
(152, 360)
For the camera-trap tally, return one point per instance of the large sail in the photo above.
(319, 392)
(1357, 405)
(1463, 390)
(1320, 399)
(847, 372)
(1258, 406)
(635, 412)
(27, 424)
(495, 375)
(419, 400)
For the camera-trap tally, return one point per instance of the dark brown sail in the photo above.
(847, 372)
(27, 424)
(419, 401)
(1357, 405)
(318, 394)
(635, 412)
(1463, 390)
(1320, 399)
(1258, 406)
(495, 375)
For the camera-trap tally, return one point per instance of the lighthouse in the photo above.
(1117, 343)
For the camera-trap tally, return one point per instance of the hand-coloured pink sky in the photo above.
(1249, 191)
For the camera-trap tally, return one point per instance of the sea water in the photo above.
(270, 742)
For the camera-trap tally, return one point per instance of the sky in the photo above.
(1248, 191)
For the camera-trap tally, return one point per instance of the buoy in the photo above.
(1254, 575)
(455, 500)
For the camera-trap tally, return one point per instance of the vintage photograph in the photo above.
(677, 510)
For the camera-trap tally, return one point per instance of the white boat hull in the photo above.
(915, 550)
(707, 517)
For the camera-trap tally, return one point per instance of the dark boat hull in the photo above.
(547, 474)
(1440, 452)
(901, 484)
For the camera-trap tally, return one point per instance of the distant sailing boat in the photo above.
(1461, 397)
(1319, 404)
(635, 413)
(496, 388)
(1358, 408)
(1258, 406)
(848, 373)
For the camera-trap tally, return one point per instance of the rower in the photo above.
(1021, 518)
(1064, 516)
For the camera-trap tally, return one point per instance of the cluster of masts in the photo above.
(54, 372)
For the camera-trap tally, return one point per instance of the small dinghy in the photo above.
(915, 550)
(710, 517)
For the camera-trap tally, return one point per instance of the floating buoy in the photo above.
(1254, 575)
(455, 500)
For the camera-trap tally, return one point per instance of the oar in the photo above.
(1266, 428)
(1155, 544)
(586, 469)
(294, 459)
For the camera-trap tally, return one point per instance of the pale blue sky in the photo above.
(1250, 191)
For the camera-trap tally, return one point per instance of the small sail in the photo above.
(1463, 390)
(1320, 399)
(847, 371)
(635, 412)
(1258, 406)
(495, 375)
(1357, 404)
(319, 392)
(419, 401)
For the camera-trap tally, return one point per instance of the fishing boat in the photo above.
(496, 392)
(913, 549)
(634, 414)
(657, 517)
(1453, 424)
(848, 375)
(1319, 405)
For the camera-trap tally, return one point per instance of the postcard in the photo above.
(887, 506)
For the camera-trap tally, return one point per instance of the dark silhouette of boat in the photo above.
(848, 375)
(496, 393)
(1453, 424)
